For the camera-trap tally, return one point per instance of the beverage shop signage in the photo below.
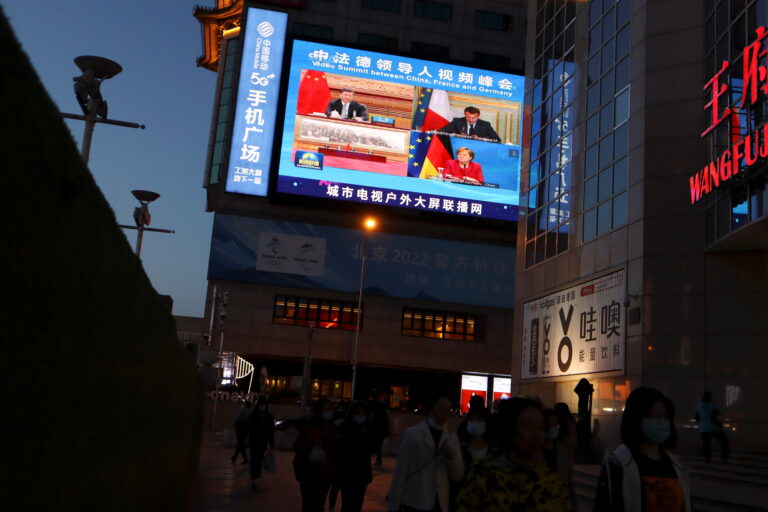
(576, 330)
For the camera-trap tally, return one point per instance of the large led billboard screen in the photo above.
(399, 131)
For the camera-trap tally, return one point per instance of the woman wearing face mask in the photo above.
(313, 464)
(550, 439)
(353, 469)
(261, 432)
(474, 437)
(475, 446)
(515, 480)
(558, 450)
(641, 475)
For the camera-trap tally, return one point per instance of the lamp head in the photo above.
(370, 223)
(100, 67)
(145, 196)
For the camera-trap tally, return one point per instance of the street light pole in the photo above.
(141, 217)
(369, 224)
(223, 303)
(88, 92)
(305, 394)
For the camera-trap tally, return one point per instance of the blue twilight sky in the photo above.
(157, 43)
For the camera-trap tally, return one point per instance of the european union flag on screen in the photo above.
(417, 152)
(421, 108)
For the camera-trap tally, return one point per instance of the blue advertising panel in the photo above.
(328, 258)
(257, 98)
(402, 132)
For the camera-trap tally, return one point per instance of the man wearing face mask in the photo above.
(353, 468)
(261, 433)
(241, 431)
(429, 458)
(314, 462)
(642, 475)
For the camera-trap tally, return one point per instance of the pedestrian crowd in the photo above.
(518, 458)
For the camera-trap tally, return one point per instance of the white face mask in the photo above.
(327, 415)
(476, 428)
(359, 418)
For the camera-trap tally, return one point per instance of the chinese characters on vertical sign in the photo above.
(575, 331)
(256, 107)
(743, 150)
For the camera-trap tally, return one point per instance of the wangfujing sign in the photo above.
(577, 330)
(745, 146)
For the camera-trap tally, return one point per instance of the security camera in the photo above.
(626, 302)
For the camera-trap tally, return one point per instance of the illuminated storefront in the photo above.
(645, 172)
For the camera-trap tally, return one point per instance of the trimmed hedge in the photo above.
(105, 406)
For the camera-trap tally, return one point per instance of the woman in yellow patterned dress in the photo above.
(516, 479)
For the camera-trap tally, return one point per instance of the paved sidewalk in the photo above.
(222, 486)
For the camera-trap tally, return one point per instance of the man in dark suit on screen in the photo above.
(346, 108)
(471, 126)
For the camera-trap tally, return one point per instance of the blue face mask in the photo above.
(476, 428)
(360, 418)
(655, 430)
(553, 433)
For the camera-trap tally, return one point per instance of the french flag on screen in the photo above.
(433, 110)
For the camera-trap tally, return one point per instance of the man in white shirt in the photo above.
(428, 459)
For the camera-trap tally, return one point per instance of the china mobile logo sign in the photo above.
(748, 147)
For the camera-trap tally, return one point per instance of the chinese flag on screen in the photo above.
(314, 94)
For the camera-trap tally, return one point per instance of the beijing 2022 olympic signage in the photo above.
(745, 146)
(258, 88)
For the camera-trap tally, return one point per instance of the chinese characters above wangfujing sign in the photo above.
(574, 331)
(256, 107)
(745, 148)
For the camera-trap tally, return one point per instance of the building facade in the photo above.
(438, 290)
(627, 111)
